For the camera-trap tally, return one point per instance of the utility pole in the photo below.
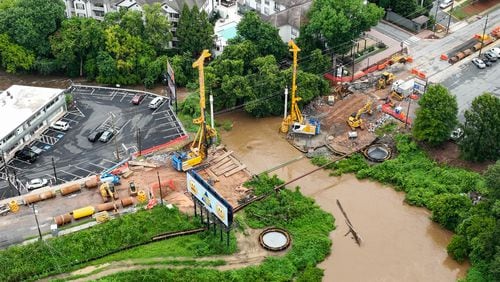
(286, 102)
(54, 168)
(435, 17)
(482, 38)
(352, 58)
(35, 212)
(449, 17)
(115, 133)
(6, 169)
(139, 140)
(159, 187)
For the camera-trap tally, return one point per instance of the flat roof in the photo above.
(19, 103)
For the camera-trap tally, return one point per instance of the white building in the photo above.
(286, 15)
(25, 113)
(172, 8)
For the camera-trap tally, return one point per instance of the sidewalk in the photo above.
(393, 47)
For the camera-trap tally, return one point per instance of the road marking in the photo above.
(80, 168)
(106, 160)
(162, 118)
(69, 173)
(157, 113)
(411, 40)
(98, 165)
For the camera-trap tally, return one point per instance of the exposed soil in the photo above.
(449, 154)
(477, 7)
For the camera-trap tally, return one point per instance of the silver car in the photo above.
(479, 63)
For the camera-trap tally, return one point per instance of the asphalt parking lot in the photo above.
(75, 157)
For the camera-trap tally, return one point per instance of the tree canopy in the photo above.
(29, 23)
(482, 131)
(334, 23)
(195, 32)
(437, 115)
(14, 57)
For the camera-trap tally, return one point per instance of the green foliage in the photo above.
(14, 57)
(334, 23)
(458, 248)
(316, 62)
(309, 228)
(156, 27)
(481, 132)
(265, 37)
(195, 32)
(492, 179)
(352, 164)
(449, 209)
(436, 117)
(386, 128)
(59, 254)
(30, 23)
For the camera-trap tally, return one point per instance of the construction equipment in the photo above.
(108, 192)
(132, 189)
(401, 89)
(295, 120)
(184, 161)
(385, 79)
(355, 120)
(400, 58)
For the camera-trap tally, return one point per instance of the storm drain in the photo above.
(274, 239)
(377, 152)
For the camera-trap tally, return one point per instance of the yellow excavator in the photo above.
(385, 79)
(295, 120)
(184, 161)
(108, 192)
(355, 120)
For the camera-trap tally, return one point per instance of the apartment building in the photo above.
(25, 112)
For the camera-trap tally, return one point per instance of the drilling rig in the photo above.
(184, 161)
(295, 120)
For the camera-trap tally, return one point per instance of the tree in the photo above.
(265, 37)
(481, 133)
(29, 23)
(492, 179)
(156, 27)
(449, 209)
(194, 32)
(317, 63)
(406, 8)
(309, 86)
(436, 117)
(334, 23)
(77, 40)
(13, 56)
(245, 50)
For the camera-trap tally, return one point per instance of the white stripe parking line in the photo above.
(100, 166)
(106, 160)
(80, 168)
(72, 174)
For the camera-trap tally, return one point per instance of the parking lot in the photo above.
(75, 157)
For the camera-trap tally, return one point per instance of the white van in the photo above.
(155, 103)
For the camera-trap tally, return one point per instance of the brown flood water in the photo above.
(400, 242)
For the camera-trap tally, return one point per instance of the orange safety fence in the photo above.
(162, 146)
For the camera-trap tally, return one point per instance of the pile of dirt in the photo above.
(449, 154)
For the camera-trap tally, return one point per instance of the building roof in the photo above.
(293, 16)
(174, 4)
(420, 20)
(291, 3)
(19, 103)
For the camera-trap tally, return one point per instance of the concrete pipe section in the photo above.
(378, 152)
(275, 239)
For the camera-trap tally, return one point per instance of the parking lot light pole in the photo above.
(482, 38)
(35, 212)
(54, 168)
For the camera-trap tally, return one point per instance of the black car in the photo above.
(95, 135)
(26, 155)
(487, 62)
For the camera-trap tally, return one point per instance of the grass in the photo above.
(459, 12)
(386, 128)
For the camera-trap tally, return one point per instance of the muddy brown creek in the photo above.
(400, 242)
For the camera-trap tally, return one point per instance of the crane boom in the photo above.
(200, 134)
(295, 111)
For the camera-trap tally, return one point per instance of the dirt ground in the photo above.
(449, 154)
(477, 7)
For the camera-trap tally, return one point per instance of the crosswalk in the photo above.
(411, 41)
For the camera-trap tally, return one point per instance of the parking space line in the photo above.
(106, 160)
(93, 90)
(162, 118)
(72, 174)
(123, 97)
(157, 113)
(80, 168)
(98, 165)
(69, 120)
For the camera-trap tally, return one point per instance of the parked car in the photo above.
(155, 103)
(106, 136)
(95, 135)
(456, 134)
(479, 63)
(496, 51)
(26, 155)
(490, 56)
(137, 99)
(37, 183)
(445, 4)
(60, 125)
(487, 62)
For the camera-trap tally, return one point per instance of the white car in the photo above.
(479, 63)
(60, 125)
(445, 4)
(496, 51)
(37, 183)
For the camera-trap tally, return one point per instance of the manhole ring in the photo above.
(377, 152)
(275, 239)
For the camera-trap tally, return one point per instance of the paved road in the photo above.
(442, 17)
(469, 82)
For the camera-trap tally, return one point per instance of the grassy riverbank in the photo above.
(443, 190)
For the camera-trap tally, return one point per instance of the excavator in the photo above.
(295, 120)
(355, 121)
(184, 161)
(385, 79)
(108, 192)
